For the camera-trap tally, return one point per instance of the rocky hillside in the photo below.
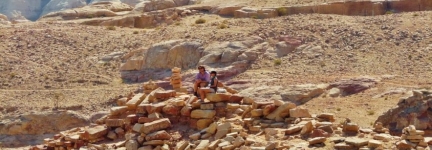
(34, 9)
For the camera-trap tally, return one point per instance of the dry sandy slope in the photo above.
(39, 60)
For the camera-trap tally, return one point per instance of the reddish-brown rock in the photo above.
(158, 135)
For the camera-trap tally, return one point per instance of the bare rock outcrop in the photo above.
(147, 6)
(413, 109)
(42, 123)
(102, 9)
(4, 19)
(354, 85)
(165, 55)
(58, 5)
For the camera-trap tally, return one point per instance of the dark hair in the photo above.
(199, 67)
(213, 72)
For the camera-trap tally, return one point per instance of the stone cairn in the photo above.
(412, 138)
(176, 80)
(167, 119)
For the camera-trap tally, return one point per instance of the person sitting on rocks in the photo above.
(212, 88)
(202, 79)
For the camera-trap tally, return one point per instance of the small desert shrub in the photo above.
(322, 63)
(57, 97)
(111, 28)
(177, 23)
(281, 11)
(12, 75)
(200, 21)
(222, 26)
(338, 109)
(415, 14)
(90, 16)
(388, 12)
(370, 112)
(277, 62)
(135, 32)
(254, 17)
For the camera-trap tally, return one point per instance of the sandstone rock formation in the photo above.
(4, 19)
(413, 109)
(228, 58)
(297, 94)
(175, 53)
(147, 6)
(42, 123)
(58, 5)
(102, 9)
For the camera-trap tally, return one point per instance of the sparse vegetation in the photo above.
(388, 12)
(282, 11)
(200, 21)
(370, 112)
(254, 17)
(277, 62)
(222, 26)
(135, 32)
(90, 16)
(12, 75)
(111, 28)
(338, 109)
(57, 97)
(415, 14)
(177, 23)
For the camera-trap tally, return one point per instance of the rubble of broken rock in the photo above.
(155, 118)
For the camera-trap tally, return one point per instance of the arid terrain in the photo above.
(47, 65)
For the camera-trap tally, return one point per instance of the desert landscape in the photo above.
(297, 74)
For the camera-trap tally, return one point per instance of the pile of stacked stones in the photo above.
(168, 119)
(176, 80)
(412, 138)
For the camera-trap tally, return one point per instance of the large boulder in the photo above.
(58, 5)
(355, 85)
(300, 94)
(94, 10)
(42, 123)
(255, 13)
(413, 109)
(4, 19)
(147, 6)
(165, 55)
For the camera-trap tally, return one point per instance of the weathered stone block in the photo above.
(299, 112)
(135, 101)
(203, 114)
(158, 135)
(118, 110)
(114, 122)
(317, 140)
(203, 123)
(203, 145)
(208, 106)
(171, 110)
(94, 132)
(155, 125)
(276, 114)
(165, 94)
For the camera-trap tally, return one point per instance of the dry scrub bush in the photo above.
(111, 28)
(200, 21)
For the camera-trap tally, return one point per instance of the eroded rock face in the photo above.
(165, 55)
(355, 85)
(58, 5)
(414, 109)
(42, 123)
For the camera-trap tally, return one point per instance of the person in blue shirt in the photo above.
(202, 79)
